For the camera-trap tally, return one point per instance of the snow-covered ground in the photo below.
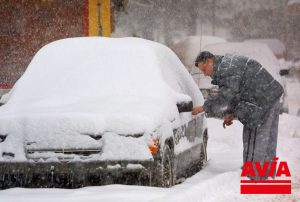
(218, 181)
(293, 95)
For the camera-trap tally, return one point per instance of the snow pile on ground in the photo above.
(219, 181)
(294, 125)
(94, 85)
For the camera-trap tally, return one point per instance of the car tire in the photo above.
(164, 173)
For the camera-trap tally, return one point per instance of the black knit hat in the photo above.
(203, 56)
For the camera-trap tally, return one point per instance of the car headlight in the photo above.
(154, 146)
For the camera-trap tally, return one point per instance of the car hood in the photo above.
(73, 126)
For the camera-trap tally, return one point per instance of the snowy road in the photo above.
(218, 181)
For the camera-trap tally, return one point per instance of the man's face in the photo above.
(206, 67)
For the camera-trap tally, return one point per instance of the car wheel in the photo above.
(164, 173)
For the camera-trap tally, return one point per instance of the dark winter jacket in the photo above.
(246, 89)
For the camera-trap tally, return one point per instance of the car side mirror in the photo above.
(185, 106)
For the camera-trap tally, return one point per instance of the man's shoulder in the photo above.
(232, 64)
(233, 58)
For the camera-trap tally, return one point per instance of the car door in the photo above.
(188, 138)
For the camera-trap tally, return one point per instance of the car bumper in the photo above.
(74, 174)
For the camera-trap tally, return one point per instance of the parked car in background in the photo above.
(279, 50)
(257, 51)
(187, 50)
(93, 111)
(277, 47)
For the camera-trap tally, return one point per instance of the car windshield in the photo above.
(84, 68)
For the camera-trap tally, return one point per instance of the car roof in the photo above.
(94, 66)
(275, 45)
(87, 68)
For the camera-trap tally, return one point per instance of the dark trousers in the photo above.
(260, 143)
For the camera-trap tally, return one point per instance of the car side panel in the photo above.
(186, 162)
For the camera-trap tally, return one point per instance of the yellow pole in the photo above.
(93, 18)
(105, 17)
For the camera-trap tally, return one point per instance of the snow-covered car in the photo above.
(277, 47)
(279, 50)
(94, 111)
(187, 50)
(257, 51)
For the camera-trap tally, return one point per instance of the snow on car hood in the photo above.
(56, 126)
(94, 85)
(73, 126)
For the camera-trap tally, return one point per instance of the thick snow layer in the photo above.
(275, 45)
(219, 181)
(94, 85)
(118, 147)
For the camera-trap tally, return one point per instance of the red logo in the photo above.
(266, 186)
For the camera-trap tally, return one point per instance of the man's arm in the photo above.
(228, 120)
(221, 104)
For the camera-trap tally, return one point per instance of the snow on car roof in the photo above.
(274, 44)
(92, 85)
(95, 66)
(254, 50)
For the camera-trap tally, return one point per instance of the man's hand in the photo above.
(197, 110)
(228, 120)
